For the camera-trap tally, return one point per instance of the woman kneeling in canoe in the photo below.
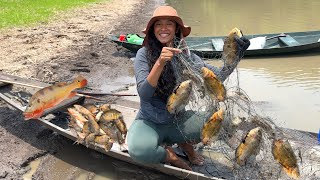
(156, 81)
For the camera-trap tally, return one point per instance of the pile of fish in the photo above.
(98, 125)
(250, 145)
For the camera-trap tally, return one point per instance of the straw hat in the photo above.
(166, 12)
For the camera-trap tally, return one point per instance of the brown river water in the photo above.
(286, 88)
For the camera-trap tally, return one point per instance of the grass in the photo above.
(15, 13)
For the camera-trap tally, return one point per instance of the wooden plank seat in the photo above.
(289, 41)
(217, 44)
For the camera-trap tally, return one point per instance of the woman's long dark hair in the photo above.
(167, 80)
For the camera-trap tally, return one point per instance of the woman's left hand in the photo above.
(243, 43)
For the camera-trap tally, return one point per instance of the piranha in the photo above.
(180, 97)
(115, 116)
(50, 96)
(212, 127)
(250, 146)
(213, 85)
(230, 46)
(283, 153)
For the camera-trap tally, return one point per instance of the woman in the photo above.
(155, 78)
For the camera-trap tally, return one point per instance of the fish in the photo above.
(197, 81)
(212, 127)
(92, 108)
(115, 116)
(180, 97)
(89, 139)
(111, 115)
(283, 153)
(77, 115)
(111, 130)
(83, 110)
(105, 141)
(104, 107)
(76, 126)
(213, 85)
(93, 126)
(102, 139)
(230, 46)
(50, 96)
(250, 146)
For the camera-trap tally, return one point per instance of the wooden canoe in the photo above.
(275, 44)
(61, 126)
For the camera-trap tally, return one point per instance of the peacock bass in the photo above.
(50, 96)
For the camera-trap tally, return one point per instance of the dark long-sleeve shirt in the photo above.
(152, 108)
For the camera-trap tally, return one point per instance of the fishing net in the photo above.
(239, 118)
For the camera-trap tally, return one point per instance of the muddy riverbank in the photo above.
(71, 44)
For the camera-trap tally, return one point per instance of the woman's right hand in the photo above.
(167, 53)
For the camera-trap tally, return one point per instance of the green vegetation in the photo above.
(26, 12)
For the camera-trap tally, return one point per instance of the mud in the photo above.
(70, 44)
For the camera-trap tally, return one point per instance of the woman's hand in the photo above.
(243, 43)
(166, 54)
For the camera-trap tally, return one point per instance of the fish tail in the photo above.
(292, 172)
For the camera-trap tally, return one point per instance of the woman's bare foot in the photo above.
(173, 159)
(193, 156)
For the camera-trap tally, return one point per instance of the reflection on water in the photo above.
(218, 17)
(285, 89)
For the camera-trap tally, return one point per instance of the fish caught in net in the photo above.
(237, 141)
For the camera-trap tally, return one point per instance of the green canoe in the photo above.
(261, 44)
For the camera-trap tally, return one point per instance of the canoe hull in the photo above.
(204, 47)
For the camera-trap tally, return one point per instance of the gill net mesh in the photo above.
(240, 117)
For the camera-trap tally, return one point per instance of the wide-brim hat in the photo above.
(166, 12)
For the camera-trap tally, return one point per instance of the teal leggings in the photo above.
(145, 137)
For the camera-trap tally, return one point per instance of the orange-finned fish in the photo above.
(250, 146)
(230, 46)
(50, 96)
(283, 153)
(212, 127)
(213, 85)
